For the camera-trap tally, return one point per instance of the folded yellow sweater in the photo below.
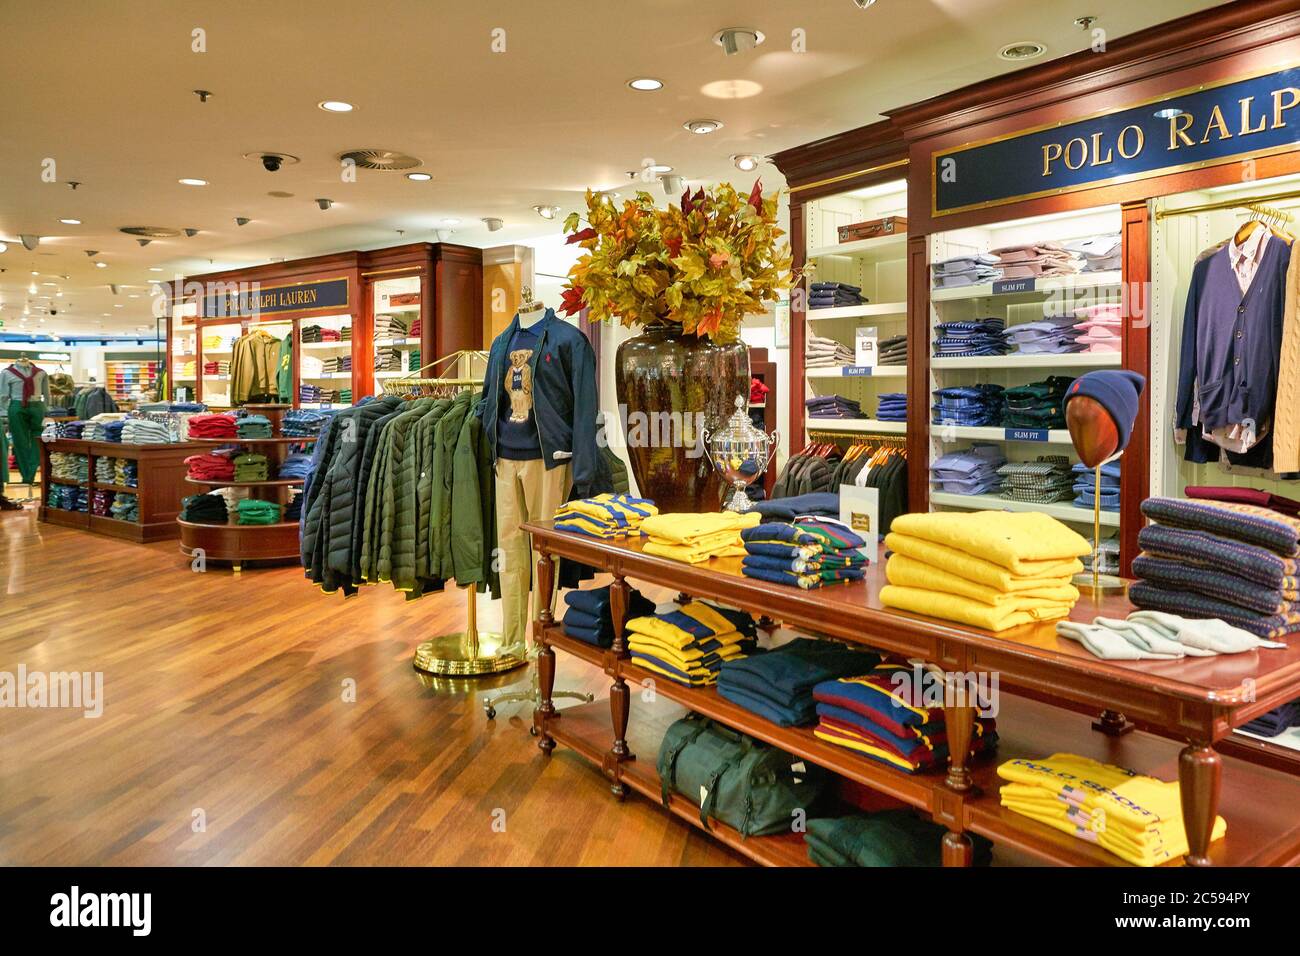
(658, 628)
(964, 610)
(720, 545)
(909, 572)
(1012, 540)
(684, 660)
(687, 528)
(1035, 574)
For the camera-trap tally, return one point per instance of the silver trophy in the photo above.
(741, 453)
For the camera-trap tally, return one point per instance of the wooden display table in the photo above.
(160, 476)
(236, 543)
(1197, 700)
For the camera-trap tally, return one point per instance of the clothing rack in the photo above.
(1255, 204)
(878, 438)
(471, 652)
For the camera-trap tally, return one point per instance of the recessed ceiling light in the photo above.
(646, 84)
(745, 162)
(71, 222)
(659, 168)
(1169, 112)
(546, 212)
(451, 221)
(155, 269)
(702, 126)
(192, 182)
(35, 273)
(118, 305)
(419, 177)
(101, 265)
(133, 295)
(1024, 50)
(335, 106)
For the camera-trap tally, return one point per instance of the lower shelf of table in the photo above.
(240, 542)
(1259, 834)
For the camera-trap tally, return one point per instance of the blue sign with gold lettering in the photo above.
(1203, 126)
(250, 300)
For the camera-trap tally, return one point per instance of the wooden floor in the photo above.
(226, 737)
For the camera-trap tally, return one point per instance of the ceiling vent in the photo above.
(150, 232)
(380, 159)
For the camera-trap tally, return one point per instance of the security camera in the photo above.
(271, 162)
(30, 242)
(493, 223)
(324, 203)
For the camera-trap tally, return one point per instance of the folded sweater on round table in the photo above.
(1018, 541)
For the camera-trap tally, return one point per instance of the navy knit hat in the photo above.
(1117, 391)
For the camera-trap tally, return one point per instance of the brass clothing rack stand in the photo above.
(471, 652)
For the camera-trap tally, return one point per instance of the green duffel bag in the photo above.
(747, 784)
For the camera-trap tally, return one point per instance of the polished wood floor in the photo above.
(226, 737)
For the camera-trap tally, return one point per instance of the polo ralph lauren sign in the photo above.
(250, 299)
(1204, 126)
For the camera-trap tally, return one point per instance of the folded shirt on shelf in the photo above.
(976, 405)
(1276, 721)
(605, 516)
(972, 471)
(125, 507)
(589, 617)
(1043, 481)
(965, 270)
(970, 338)
(824, 504)
(687, 644)
(250, 467)
(1136, 817)
(253, 511)
(296, 466)
(212, 466)
(142, 431)
(204, 509)
(1036, 405)
(883, 838)
(778, 684)
(1153, 635)
(695, 538)
(892, 407)
(212, 426)
(882, 715)
(807, 554)
(253, 426)
(833, 406)
(989, 569)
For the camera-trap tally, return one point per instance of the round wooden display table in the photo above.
(237, 543)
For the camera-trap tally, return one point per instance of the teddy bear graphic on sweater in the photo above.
(520, 385)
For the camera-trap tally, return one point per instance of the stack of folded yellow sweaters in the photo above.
(989, 569)
(695, 538)
(1138, 818)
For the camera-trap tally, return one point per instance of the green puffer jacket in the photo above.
(444, 451)
(473, 529)
(395, 539)
(410, 572)
(362, 514)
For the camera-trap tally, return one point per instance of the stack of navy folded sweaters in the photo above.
(589, 618)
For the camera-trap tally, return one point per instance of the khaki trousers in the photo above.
(525, 491)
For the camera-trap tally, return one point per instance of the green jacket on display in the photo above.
(284, 369)
(473, 538)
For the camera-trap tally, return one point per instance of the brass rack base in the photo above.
(467, 655)
(1104, 583)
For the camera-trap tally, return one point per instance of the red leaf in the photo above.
(687, 205)
(756, 196)
(708, 323)
(674, 246)
(588, 233)
(571, 301)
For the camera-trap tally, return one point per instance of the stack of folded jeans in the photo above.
(1085, 486)
(589, 617)
(1047, 336)
(253, 511)
(605, 516)
(974, 338)
(883, 714)
(1037, 260)
(892, 407)
(884, 838)
(964, 270)
(979, 405)
(251, 467)
(893, 350)
(833, 406)
(778, 684)
(1043, 481)
(687, 645)
(808, 554)
(834, 295)
(973, 471)
(1037, 405)
(1100, 253)
(253, 426)
(204, 509)
(826, 353)
(125, 507)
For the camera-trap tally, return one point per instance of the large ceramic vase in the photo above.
(672, 387)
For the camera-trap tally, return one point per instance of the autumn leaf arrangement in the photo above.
(704, 265)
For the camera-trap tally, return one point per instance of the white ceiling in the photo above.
(103, 88)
